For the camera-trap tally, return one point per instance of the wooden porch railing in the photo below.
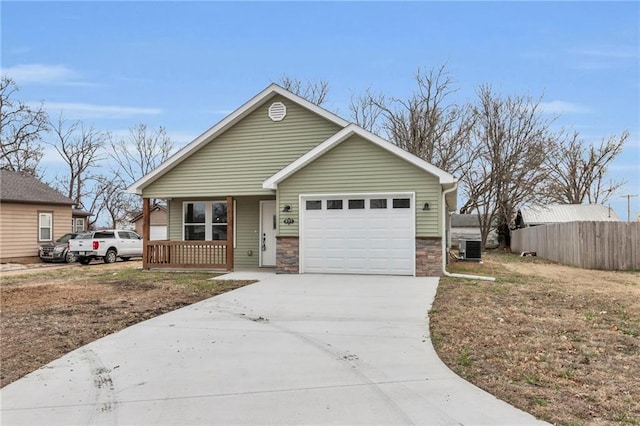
(187, 254)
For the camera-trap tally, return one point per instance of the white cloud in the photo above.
(603, 57)
(81, 110)
(40, 73)
(620, 52)
(563, 107)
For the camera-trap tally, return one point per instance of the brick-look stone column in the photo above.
(287, 255)
(428, 256)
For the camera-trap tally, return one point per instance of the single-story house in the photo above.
(79, 220)
(467, 226)
(536, 215)
(32, 213)
(157, 222)
(284, 183)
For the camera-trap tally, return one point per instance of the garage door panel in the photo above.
(362, 241)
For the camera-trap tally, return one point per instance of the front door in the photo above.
(268, 227)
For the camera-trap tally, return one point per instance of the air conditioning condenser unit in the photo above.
(470, 250)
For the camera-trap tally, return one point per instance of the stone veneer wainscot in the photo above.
(428, 257)
(287, 255)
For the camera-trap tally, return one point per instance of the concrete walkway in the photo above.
(291, 349)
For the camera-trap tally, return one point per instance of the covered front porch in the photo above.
(242, 237)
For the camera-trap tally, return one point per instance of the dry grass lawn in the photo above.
(45, 315)
(559, 342)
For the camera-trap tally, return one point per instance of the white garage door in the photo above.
(158, 232)
(358, 234)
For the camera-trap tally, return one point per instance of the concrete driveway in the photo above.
(291, 349)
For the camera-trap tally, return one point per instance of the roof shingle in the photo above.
(21, 188)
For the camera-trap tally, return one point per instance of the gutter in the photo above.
(444, 242)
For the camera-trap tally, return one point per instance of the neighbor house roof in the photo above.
(80, 213)
(465, 221)
(558, 213)
(21, 188)
(156, 207)
(225, 124)
(444, 178)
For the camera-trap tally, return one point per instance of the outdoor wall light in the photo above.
(426, 206)
(286, 208)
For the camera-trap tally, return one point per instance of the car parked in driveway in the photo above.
(58, 250)
(107, 245)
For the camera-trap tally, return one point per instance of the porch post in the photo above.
(230, 233)
(146, 228)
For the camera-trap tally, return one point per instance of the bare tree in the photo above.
(113, 199)
(577, 170)
(140, 152)
(315, 92)
(80, 148)
(428, 124)
(512, 138)
(21, 127)
(365, 110)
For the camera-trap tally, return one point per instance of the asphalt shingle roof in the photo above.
(465, 221)
(21, 188)
(558, 213)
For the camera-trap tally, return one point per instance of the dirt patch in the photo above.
(562, 343)
(46, 315)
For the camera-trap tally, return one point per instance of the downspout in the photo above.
(444, 242)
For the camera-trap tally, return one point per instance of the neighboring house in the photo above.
(158, 223)
(79, 220)
(31, 213)
(467, 226)
(559, 213)
(284, 183)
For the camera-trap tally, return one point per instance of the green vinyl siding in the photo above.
(239, 160)
(174, 207)
(247, 227)
(356, 165)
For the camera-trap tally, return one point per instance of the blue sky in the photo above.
(186, 65)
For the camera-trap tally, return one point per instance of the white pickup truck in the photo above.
(107, 245)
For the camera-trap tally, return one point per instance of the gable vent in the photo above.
(277, 111)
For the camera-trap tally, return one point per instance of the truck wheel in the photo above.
(69, 257)
(84, 260)
(110, 257)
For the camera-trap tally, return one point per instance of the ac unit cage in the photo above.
(470, 249)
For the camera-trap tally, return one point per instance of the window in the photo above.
(77, 224)
(104, 234)
(334, 204)
(128, 235)
(378, 203)
(194, 221)
(314, 205)
(219, 221)
(401, 203)
(205, 220)
(356, 204)
(45, 226)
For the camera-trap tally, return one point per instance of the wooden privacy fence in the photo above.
(187, 254)
(589, 245)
